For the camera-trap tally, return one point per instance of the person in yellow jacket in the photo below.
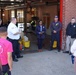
(33, 25)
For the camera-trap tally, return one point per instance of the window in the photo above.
(20, 15)
(12, 13)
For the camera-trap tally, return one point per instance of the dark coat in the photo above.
(71, 30)
(40, 36)
(55, 26)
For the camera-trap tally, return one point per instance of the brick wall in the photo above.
(69, 11)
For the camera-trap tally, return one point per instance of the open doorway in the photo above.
(46, 13)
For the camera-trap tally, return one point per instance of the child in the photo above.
(5, 52)
(73, 51)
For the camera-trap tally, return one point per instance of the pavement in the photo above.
(44, 63)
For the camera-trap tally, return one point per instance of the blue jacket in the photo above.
(40, 36)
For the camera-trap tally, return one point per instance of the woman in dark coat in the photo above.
(40, 31)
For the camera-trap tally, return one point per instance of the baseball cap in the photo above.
(56, 16)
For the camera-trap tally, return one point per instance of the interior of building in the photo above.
(25, 10)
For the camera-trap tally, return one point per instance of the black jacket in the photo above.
(71, 30)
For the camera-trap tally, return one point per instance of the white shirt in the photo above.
(73, 48)
(11, 30)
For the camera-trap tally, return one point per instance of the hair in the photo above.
(73, 17)
(3, 29)
(39, 20)
(13, 18)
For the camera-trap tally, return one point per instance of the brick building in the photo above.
(67, 12)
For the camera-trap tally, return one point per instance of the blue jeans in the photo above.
(40, 43)
(72, 58)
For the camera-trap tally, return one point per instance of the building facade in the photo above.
(65, 9)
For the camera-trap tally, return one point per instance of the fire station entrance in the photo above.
(42, 9)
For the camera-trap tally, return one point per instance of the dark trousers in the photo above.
(1, 71)
(5, 69)
(15, 44)
(40, 43)
(55, 37)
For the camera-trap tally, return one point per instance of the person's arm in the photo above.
(60, 26)
(36, 30)
(0, 65)
(67, 28)
(10, 60)
(17, 33)
(74, 33)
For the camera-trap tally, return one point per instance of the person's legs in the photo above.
(52, 41)
(41, 40)
(72, 40)
(5, 69)
(17, 50)
(68, 41)
(40, 44)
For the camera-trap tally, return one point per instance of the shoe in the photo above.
(70, 53)
(66, 52)
(39, 50)
(58, 50)
(50, 50)
(15, 60)
(20, 56)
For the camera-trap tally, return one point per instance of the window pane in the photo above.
(12, 13)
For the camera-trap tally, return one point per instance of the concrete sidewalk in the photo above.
(44, 63)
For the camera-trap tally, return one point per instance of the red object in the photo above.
(61, 17)
(20, 46)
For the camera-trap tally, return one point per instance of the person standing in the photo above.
(55, 32)
(40, 31)
(5, 53)
(70, 34)
(73, 51)
(14, 36)
(33, 24)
